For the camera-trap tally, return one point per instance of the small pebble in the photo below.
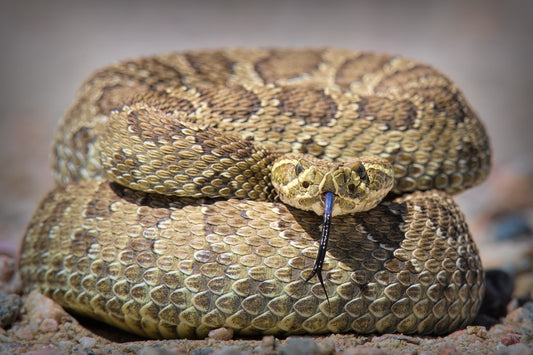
(300, 346)
(267, 346)
(447, 349)
(24, 333)
(477, 330)
(86, 342)
(40, 307)
(221, 334)
(48, 325)
(65, 345)
(10, 306)
(510, 339)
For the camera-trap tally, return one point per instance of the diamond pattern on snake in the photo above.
(270, 191)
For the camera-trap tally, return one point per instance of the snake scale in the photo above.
(169, 218)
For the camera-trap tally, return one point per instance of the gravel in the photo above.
(44, 328)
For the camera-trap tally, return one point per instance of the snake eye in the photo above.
(298, 168)
(305, 184)
(351, 188)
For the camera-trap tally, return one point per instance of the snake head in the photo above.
(358, 185)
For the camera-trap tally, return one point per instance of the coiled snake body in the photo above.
(187, 184)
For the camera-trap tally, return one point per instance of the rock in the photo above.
(303, 346)
(24, 333)
(510, 339)
(447, 349)
(10, 306)
(477, 330)
(221, 334)
(48, 325)
(65, 345)
(39, 308)
(268, 345)
(86, 342)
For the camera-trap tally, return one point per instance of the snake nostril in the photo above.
(305, 184)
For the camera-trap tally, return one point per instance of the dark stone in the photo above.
(10, 306)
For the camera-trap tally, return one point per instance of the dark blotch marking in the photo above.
(400, 79)
(99, 207)
(81, 140)
(54, 218)
(401, 115)
(164, 102)
(147, 74)
(156, 126)
(449, 102)
(161, 124)
(353, 69)
(287, 64)
(312, 106)
(233, 102)
(211, 68)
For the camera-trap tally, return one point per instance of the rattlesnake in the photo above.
(169, 222)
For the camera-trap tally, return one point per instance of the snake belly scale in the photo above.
(176, 212)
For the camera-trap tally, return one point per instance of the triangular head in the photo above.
(331, 189)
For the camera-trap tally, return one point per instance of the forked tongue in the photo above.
(328, 210)
(323, 243)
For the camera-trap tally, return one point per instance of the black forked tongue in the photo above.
(323, 244)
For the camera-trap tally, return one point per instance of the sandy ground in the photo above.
(48, 48)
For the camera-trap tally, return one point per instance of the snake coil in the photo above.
(170, 217)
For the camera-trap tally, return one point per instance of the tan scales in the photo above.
(211, 125)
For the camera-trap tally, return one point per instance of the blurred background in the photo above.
(49, 47)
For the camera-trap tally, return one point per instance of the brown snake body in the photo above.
(166, 223)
